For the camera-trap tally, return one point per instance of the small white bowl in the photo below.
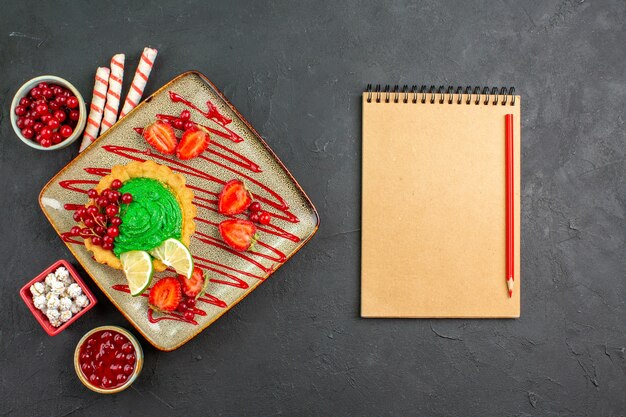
(23, 91)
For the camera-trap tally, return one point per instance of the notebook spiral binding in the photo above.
(471, 92)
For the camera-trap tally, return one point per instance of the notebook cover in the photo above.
(433, 210)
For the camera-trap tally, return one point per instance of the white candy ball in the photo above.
(74, 308)
(55, 322)
(40, 302)
(51, 278)
(81, 301)
(37, 288)
(65, 304)
(53, 301)
(57, 287)
(65, 316)
(53, 314)
(74, 290)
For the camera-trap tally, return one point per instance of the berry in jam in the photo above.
(107, 359)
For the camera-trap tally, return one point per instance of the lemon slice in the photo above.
(174, 253)
(137, 266)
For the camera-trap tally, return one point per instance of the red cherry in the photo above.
(116, 221)
(92, 193)
(28, 133)
(56, 138)
(25, 101)
(38, 126)
(46, 132)
(113, 231)
(60, 115)
(254, 217)
(71, 102)
(185, 115)
(66, 131)
(96, 240)
(107, 246)
(42, 109)
(264, 217)
(116, 184)
(75, 231)
(20, 110)
(74, 115)
(127, 198)
(255, 206)
(89, 222)
(107, 239)
(189, 315)
(53, 123)
(112, 210)
(46, 143)
(189, 125)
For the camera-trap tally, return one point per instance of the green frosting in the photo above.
(153, 216)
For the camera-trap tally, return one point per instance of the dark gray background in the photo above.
(297, 346)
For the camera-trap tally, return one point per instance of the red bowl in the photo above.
(41, 318)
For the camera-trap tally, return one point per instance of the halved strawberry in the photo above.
(161, 137)
(194, 141)
(234, 198)
(165, 295)
(193, 287)
(238, 234)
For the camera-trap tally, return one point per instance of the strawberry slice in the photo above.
(194, 141)
(161, 137)
(193, 287)
(234, 198)
(238, 234)
(165, 295)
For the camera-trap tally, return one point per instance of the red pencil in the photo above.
(510, 202)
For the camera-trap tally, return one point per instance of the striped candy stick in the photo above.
(97, 107)
(114, 92)
(139, 81)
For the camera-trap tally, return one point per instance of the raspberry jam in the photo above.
(107, 359)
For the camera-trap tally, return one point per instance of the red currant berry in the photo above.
(114, 196)
(254, 217)
(74, 115)
(181, 308)
(101, 218)
(116, 184)
(264, 217)
(76, 216)
(89, 222)
(96, 240)
(47, 93)
(107, 246)
(255, 206)
(34, 92)
(189, 125)
(178, 124)
(127, 198)
(62, 100)
(28, 133)
(113, 231)
(75, 231)
(46, 118)
(29, 122)
(191, 302)
(46, 143)
(100, 230)
(66, 131)
(56, 89)
(56, 138)
(20, 123)
(25, 101)
(112, 210)
(92, 193)
(85, 232)
(116, 221)
(38, 138)
(185, 115)
(42, 109)
(46, 132)
(189, 315)
(60, 115)
(107, 239)
(54, 106)
(102, 201)
(42, 85)
(71, 102)
(20, 110)
(38, 126)
(53, 123)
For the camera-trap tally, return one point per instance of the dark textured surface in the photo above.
(296, 346)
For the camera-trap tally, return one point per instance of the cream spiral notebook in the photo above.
(433, 206)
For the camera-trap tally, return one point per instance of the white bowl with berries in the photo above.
(48, 113)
